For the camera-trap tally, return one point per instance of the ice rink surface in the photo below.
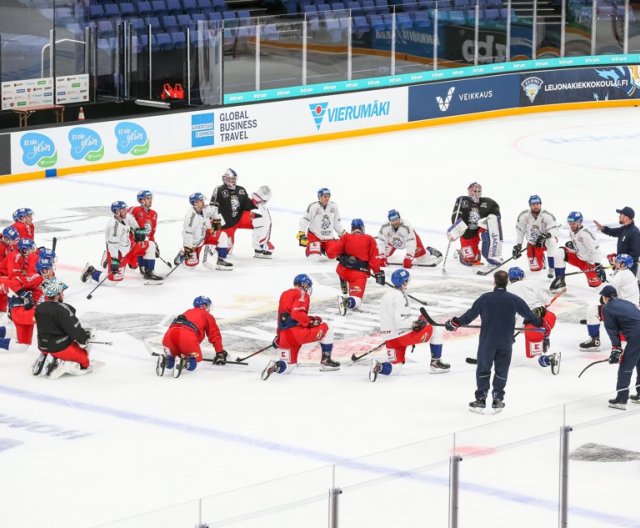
(86, 451)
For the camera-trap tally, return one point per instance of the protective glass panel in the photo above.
(579, 28)
(634, 28)
(70, 38)
(456, 33)
(371, 43)
(609, 27)
(281, 52)
(208, 50)
(415, 39)
(239, 45)
(327, 48)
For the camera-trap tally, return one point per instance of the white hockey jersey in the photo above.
(586, 246)
(530, 228)
(395, 314)
(117, 235)
(322, 221)
(531, 292)
(626, 284)
(195, 225)
(404, 237)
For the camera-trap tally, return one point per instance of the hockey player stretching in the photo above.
(400, 332)
(147, 219)
(318, 225)
(296, 328)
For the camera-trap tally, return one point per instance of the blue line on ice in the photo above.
(258, 443)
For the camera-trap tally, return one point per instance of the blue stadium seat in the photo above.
(105, 29)
(360, 24)
(96, 12)
(457, 17)
(492, 14)
(111, 10)
(204, 5)
(189, 6)
(196, 17)
(159, 7)
(244, 16)
(184, 21)
(337, 6)
(154, 22)
(382, 6)
(214, 16)
(163, 41)
(356, 8)
(368, 7)
(144, 8)
(421, 20)
(218, 5)
(178, 39)
(376, 22)
(169, 23)
(127, 9)
(403, 20)
(174, 7)
(463, 4)
(137, 25)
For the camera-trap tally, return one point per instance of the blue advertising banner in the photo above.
(463, 97)
(582, 84)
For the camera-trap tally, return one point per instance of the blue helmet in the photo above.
(143, 194)
(195, 197)
(202, 300)
(515, 274)
(575, 216)
(47, 253)
(11, 233)
(399, 277)
(44, 264)
(303, 280)
(26, 244)
(393, 215)
(117, 205)
(534, 199)
(19, 213)
(52, 287)
(625, 259)
(323, 191)
(357, 223)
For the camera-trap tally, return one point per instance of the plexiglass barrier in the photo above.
(132, 49)
(506, 468)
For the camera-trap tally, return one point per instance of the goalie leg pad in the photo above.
(492, 240)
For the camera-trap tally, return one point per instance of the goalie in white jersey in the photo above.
(626, 284)
(536, 343)
(318, 225)
(400, 331)
(540, 229)
(398, 234)
(581, 251)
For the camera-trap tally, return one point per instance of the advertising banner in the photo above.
(72, 89)
(27, 92)
(582, 84)
(428, 101)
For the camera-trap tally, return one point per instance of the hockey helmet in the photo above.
(44, 252)
(263, 194)
(196, 197)
(202, 301)
(575, 216)
(303, 281)
(515, 274)
(21, 213)
(393, 215)
(535, 199)
(399, 278)
(44, 264)
(143, 194)
(229, 178)
(357, 223)
(11, 234)
(26, 244)
(625, 259)
(117, 206)
(52, 287)
(323, 191)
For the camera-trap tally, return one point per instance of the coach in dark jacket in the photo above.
(628, 235)
(498, 312)
(622, 317)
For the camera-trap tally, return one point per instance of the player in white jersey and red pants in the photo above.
(397, 233)
(121, 249)
(626, 284)
(400, 331)
(581, 251)
(147, 219)
(541, 230)
(318, 224)
(536, 343)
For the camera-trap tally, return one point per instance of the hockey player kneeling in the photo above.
(296, 328)
(182, 340)
(63, 343)
(400, 332)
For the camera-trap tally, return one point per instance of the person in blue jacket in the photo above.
(622, 317)
(498, 312)
(627, 234)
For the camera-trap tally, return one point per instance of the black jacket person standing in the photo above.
(498, 311)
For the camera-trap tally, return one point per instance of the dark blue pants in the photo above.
(630, 360)
(500, 359)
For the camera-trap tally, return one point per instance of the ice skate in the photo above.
(151, 276)
(557, 284)
(179, 366)
(342, 304)
(271, 367)
(161, 364)
(38, 365)
(262, 254)
(497, 405)
(554, 361)
(87, 272)
(328, 364)
(635, 398)
(376, 367)
(590, 345)
(439, 367)
(223, 265)
(616, 403)
(478, 406)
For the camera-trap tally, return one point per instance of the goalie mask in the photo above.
(230, 178)
(475, 192)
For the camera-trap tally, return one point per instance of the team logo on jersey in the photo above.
(38, 149)
(132, 139)
(443, 104)
(85, 144)
(317, 112)
(531, 87)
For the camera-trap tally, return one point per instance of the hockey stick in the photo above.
(355, 358)
(212, 360)
(430, 320)
(174, 269)
(240, 360)
(99, 284)
(592, 364)
(446, 253)
(483, 273)
(167, 263)
(423, 303)
(554, 281)
(108, 343)
(54, 243)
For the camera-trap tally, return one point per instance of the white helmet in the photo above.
(229, 178)
(263, 194)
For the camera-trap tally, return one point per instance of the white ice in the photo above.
(145, 443)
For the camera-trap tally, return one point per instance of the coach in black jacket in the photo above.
(628, 235)
(498, 312)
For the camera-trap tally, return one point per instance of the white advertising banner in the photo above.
(27, 92)
(72, 89)
(74, 146)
